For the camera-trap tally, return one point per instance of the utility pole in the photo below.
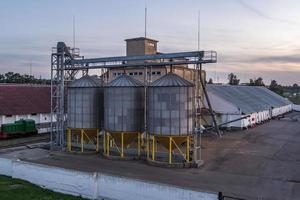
(145, 20)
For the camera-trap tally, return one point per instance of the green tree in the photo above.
(256, 82)
(11, 77)
(233, 80)
(2, 78)
(259, 82)
(275, 87)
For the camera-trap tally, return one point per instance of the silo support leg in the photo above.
(69, 139)
(104, 143)
(153, 147)
(148, 146)
(107, 143)
(187, 149)
(97, 138)
(139, 144)
(81, 132)
(170, 150)
(122, 145)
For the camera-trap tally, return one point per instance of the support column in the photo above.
(81, 133)
(139, 144)
(122, 145)
(195, 147)
(69, 139)
(170, 150)
(147, 146)
(97, 142)
(153, 147)
(107, 143)
(104, 143)
(187, 149)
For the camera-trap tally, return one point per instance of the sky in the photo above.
(253, 38)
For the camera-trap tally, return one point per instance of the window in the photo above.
(153, 73)
(33, 114)
(131, 73)
(8, 115)
(135, 73)
(115, 74)
(119, 73)
(140, 73)
(158, 73)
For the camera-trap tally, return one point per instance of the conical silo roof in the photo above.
(86, 82)
(171, 80)
(125, 81)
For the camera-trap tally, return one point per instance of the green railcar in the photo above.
(29, 125)
(12, 128)
(22, 126)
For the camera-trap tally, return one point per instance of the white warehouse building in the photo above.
(233, 102)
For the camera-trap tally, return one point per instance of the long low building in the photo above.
(18, 101)
(234, 102)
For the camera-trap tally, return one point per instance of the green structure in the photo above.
(20, 126)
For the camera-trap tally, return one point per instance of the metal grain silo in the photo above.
(170, 114)
(123, 112)
(85, 108)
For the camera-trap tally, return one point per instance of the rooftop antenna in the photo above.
(74, 32)
(30, 68)
(145, 19)
(215, 74)
(198, 30)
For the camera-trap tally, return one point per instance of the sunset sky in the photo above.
(252, 37)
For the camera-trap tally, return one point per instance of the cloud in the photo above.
(284, 59)
(264, 15)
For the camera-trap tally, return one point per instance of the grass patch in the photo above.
(295, 100)
(15, 189)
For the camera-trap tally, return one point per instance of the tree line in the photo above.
(11, 77)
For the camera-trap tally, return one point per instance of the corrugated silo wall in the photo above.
(85, 107)
(124, 109)
(170, 110)
(189, 74)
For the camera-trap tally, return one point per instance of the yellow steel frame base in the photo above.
(173, 144)
(121, 141)
(82, 137)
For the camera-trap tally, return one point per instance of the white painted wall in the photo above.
(96, 185)
(6, 167)
(281, 110)
(124, 188)
(8, 119)
(296, 107)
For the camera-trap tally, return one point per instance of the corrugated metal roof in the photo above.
(86, 82)
(24, 99)
(171, 80)
(125, 81)
(248, 99)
